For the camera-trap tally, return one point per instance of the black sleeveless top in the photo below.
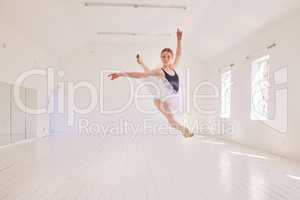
(173, 80)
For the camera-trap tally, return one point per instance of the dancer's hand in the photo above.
(114, 76)
(139, 59)
(179, 34)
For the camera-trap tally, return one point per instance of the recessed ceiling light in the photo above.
(136, 5)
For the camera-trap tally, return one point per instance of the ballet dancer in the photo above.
(168, 99)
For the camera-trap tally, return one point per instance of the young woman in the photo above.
(168, 99)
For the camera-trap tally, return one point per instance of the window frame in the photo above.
(260, 83)
(225, 112)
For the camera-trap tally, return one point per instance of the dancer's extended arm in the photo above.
(178, 48)
(154, 72)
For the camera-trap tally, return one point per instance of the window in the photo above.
(260, 85)
(226, 94)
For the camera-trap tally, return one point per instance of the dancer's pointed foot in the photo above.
(187, 134)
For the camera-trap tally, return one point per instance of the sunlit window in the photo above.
(260, 85)
(225, 94)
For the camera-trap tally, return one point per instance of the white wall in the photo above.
(20, 55)
(286, 33)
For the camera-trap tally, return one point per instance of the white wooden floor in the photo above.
(147, 167)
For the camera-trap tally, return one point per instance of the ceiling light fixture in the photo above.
(134, 34)
(271, 46)
(135, 5)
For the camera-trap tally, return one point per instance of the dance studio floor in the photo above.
(146, 167)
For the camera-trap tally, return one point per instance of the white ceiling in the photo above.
(64, 27)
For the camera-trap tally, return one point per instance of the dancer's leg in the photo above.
(163, 107)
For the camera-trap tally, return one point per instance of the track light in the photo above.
(135, 5)
(271, 46)
(134, 34)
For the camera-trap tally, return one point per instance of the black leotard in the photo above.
(173, 80)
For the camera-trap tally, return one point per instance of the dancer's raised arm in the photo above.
(154, 72)
(178, 48)
(140, 61)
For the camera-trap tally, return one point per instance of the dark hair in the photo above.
(166, 50)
